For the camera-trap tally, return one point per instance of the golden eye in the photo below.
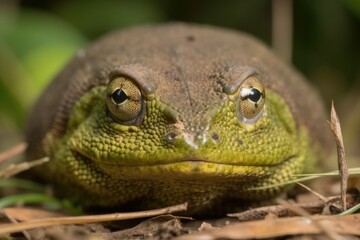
(251, 99)
(124, 99)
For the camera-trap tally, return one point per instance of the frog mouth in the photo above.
(187, 170)
(185, 161)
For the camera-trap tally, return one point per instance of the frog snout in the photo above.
(193, 139)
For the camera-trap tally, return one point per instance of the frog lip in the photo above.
(184, 160)
(191, 162)
(177, 161)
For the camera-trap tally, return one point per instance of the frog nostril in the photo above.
(170, 137)
(215, 137)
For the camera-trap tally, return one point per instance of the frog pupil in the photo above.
(254, 95)
(119, 96)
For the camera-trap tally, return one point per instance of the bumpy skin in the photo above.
(189, 143)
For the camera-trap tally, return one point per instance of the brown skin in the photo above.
(193, 69)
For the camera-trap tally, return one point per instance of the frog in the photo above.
(162, 114)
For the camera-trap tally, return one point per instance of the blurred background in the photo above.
(38, 37)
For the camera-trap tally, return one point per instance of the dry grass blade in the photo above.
(306, 177)
(14, 169)
(14, 221)
(321, 197)
(334, 124)
(46, 222)
(12, 152)
(298, 210)
(283, 227)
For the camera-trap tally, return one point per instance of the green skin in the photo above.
(224, 164)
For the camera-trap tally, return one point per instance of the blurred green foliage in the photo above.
(38, 37)
(34, 46)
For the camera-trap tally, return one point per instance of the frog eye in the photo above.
(123, 99)
(251, 100)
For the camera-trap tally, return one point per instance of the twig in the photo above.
(335, 128)
(20, 167)
(318, 195)
(281, 211)
(47, 222)
(321, 197)
(276, 210)
(12, 152)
